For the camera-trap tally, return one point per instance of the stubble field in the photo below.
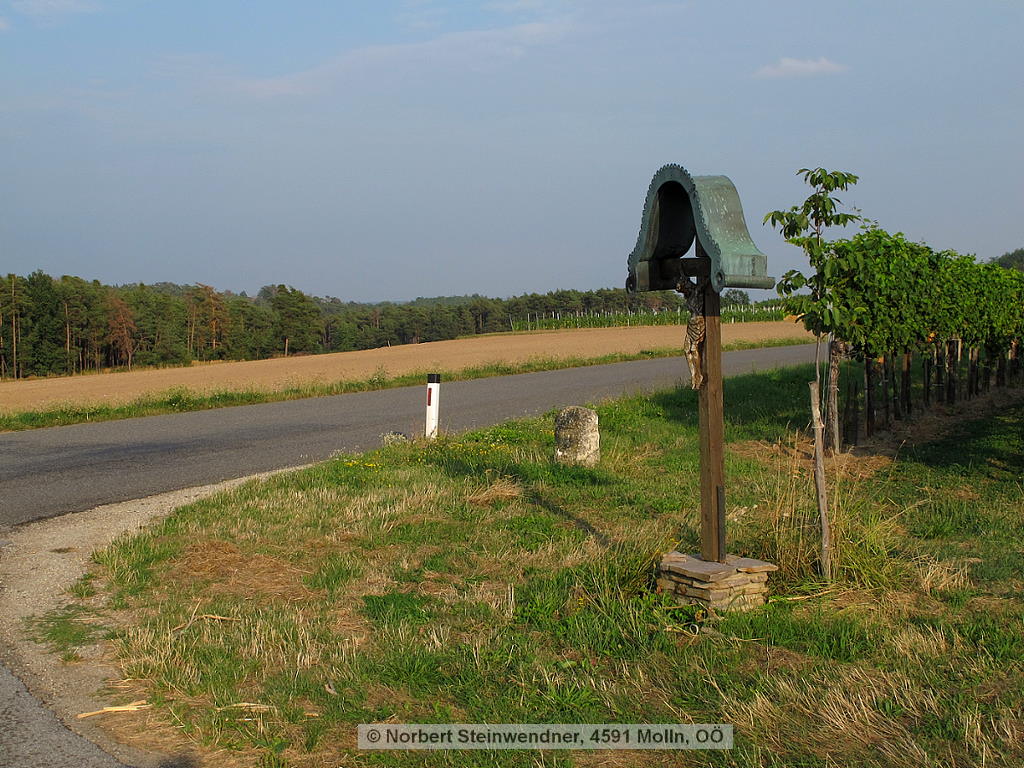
(283, 373)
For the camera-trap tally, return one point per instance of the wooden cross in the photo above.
(712, 435)
(711, 418)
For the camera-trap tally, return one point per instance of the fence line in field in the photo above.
(548, 321)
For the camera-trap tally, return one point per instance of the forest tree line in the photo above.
(67, 325)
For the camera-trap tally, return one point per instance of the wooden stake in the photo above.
(712, 433)
(951, 365)
(833, 438)
(854, 436)
(819, 483)
(894, 391)
(972, 372)
(869, 396)
(887, 409)
(927, 373)
(848, 437)
(905, 382)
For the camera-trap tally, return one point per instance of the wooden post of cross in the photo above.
(712, 430)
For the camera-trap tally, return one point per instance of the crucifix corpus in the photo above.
(703, 213)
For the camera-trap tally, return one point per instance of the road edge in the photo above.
(39, 561)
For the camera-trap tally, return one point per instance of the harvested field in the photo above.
(282, 373)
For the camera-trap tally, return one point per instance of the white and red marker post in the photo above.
(433, 396)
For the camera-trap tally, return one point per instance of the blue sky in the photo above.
(388, 150)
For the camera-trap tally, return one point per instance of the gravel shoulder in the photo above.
(38, 563)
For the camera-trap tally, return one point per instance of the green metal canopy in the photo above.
(681, 207)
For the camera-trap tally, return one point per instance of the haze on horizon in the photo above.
(403, 148)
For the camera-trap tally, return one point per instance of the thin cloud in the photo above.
(421, 14)
(460, 49)
(786, 67)
(52, 8)
(518, 6)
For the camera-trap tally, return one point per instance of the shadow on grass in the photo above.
(758, 406)
(548, 505)
(991, 446)
(769, 405)
(533, 476)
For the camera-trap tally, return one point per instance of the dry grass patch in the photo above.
(557, 554)
(627, 758)
(500, 489)
(834, 716)
(941, 575)
(797, 455)
(229, 571)
(919, 643)
(899, 604)
(149, 730)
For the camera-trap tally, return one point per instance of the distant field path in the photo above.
(282, 373)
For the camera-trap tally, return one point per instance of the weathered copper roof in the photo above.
(680, 207)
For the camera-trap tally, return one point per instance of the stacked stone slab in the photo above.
(740, 583)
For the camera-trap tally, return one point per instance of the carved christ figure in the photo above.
(693, 293)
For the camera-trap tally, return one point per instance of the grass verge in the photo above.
(473, 580)
(183, 399)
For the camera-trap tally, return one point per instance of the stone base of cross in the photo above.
(740, 583)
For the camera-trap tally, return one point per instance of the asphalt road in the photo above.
(32, 737)
(48, 472)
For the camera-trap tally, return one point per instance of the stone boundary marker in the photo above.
(740, 583)
(577, 439)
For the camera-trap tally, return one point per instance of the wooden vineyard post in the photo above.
(869, 396)
(905, 382)
(897, 409)
(819, 483)
(712, 434)
(854, 401)
(927, 391)
(973, 373)
(833, 437)
(886, 409)
(951, 372)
